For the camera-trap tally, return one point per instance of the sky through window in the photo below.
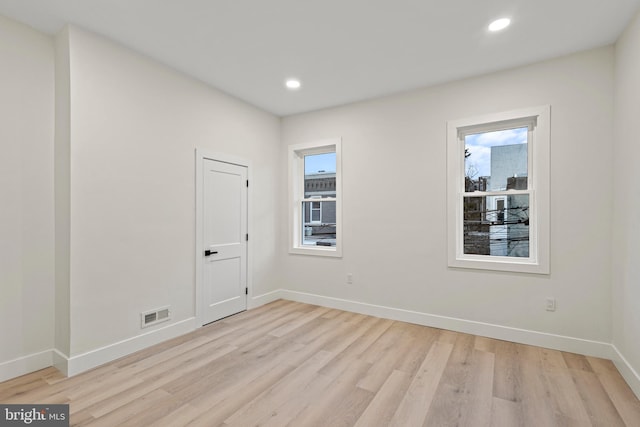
(478, 163)
(320, 162)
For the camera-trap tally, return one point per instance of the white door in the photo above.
(225, 240)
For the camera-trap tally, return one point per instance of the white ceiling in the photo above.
(342, 50)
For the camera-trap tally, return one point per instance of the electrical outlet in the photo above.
(550, 304)
(349, 278)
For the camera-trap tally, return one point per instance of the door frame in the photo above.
(200, 156)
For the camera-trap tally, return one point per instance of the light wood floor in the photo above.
(292, 364)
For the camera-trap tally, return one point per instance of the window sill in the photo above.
(317, 251)
(481, 262)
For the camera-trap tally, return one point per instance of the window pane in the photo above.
(496, 161)
(320, 175)
(497, 225)
(319, 223)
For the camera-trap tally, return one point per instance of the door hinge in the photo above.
(247, 237)
(247, 183)
(246, 291)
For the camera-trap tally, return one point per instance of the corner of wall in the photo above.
(60, 362)
(624, 251)
(627, 371)
(62, 179)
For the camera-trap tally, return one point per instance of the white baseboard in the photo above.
(263, 299)
(80, 363)
(25, 365)
(626, 370)
(84, 362)
(60, 361)
(91, 359)
(523, 336)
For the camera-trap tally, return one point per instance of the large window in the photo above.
(498, 191)
(315, 178)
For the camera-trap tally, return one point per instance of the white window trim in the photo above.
(296, 155)
(538, 164)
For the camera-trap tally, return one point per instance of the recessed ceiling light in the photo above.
(293, 84)
(499, 24)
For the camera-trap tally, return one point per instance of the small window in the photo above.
(315, 198)
(498, 191)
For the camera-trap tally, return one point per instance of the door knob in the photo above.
(208, 252)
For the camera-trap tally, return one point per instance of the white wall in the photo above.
(626, 202)
(26, 198)
(125, 196)
(394, 169)
(135, 125)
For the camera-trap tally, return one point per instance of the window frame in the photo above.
(296, 155)
(538, 189)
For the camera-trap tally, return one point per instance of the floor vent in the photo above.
(153, 317)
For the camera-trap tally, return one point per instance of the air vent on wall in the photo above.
(153, 317)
